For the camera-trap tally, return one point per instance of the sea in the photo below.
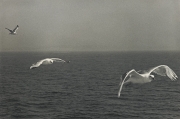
(87, 87)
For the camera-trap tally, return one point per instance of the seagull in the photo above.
(47, 61)
(140, 77)
(13, 32)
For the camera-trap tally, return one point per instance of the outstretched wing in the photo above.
(164, 70)
(15, 28)
(37, 64)
(125, 77)
(57, 60)
(9, 29)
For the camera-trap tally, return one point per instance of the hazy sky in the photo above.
(90, 25)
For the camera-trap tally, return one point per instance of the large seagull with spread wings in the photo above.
(146, 76)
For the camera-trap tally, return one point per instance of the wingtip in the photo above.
(118, 95)
(31, 67)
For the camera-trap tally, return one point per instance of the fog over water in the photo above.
(90, 25)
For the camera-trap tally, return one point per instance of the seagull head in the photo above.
(152, 77)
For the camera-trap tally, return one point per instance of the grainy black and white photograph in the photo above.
(89, 59)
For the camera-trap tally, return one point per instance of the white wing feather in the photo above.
(164, 70)
(57, 60)
(37, 64)
(131, 73)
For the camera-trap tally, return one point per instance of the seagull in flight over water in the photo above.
(47, 61)
(146, 76)
(13, 32)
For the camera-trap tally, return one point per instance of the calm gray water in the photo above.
(87, 87)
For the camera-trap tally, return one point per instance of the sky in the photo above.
(90, 25)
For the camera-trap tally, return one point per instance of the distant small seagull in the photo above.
(145, 76)
(13, 32)
(47, 61)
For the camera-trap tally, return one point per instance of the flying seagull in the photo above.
(13, 32)
(47, 61)
(146, 76)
